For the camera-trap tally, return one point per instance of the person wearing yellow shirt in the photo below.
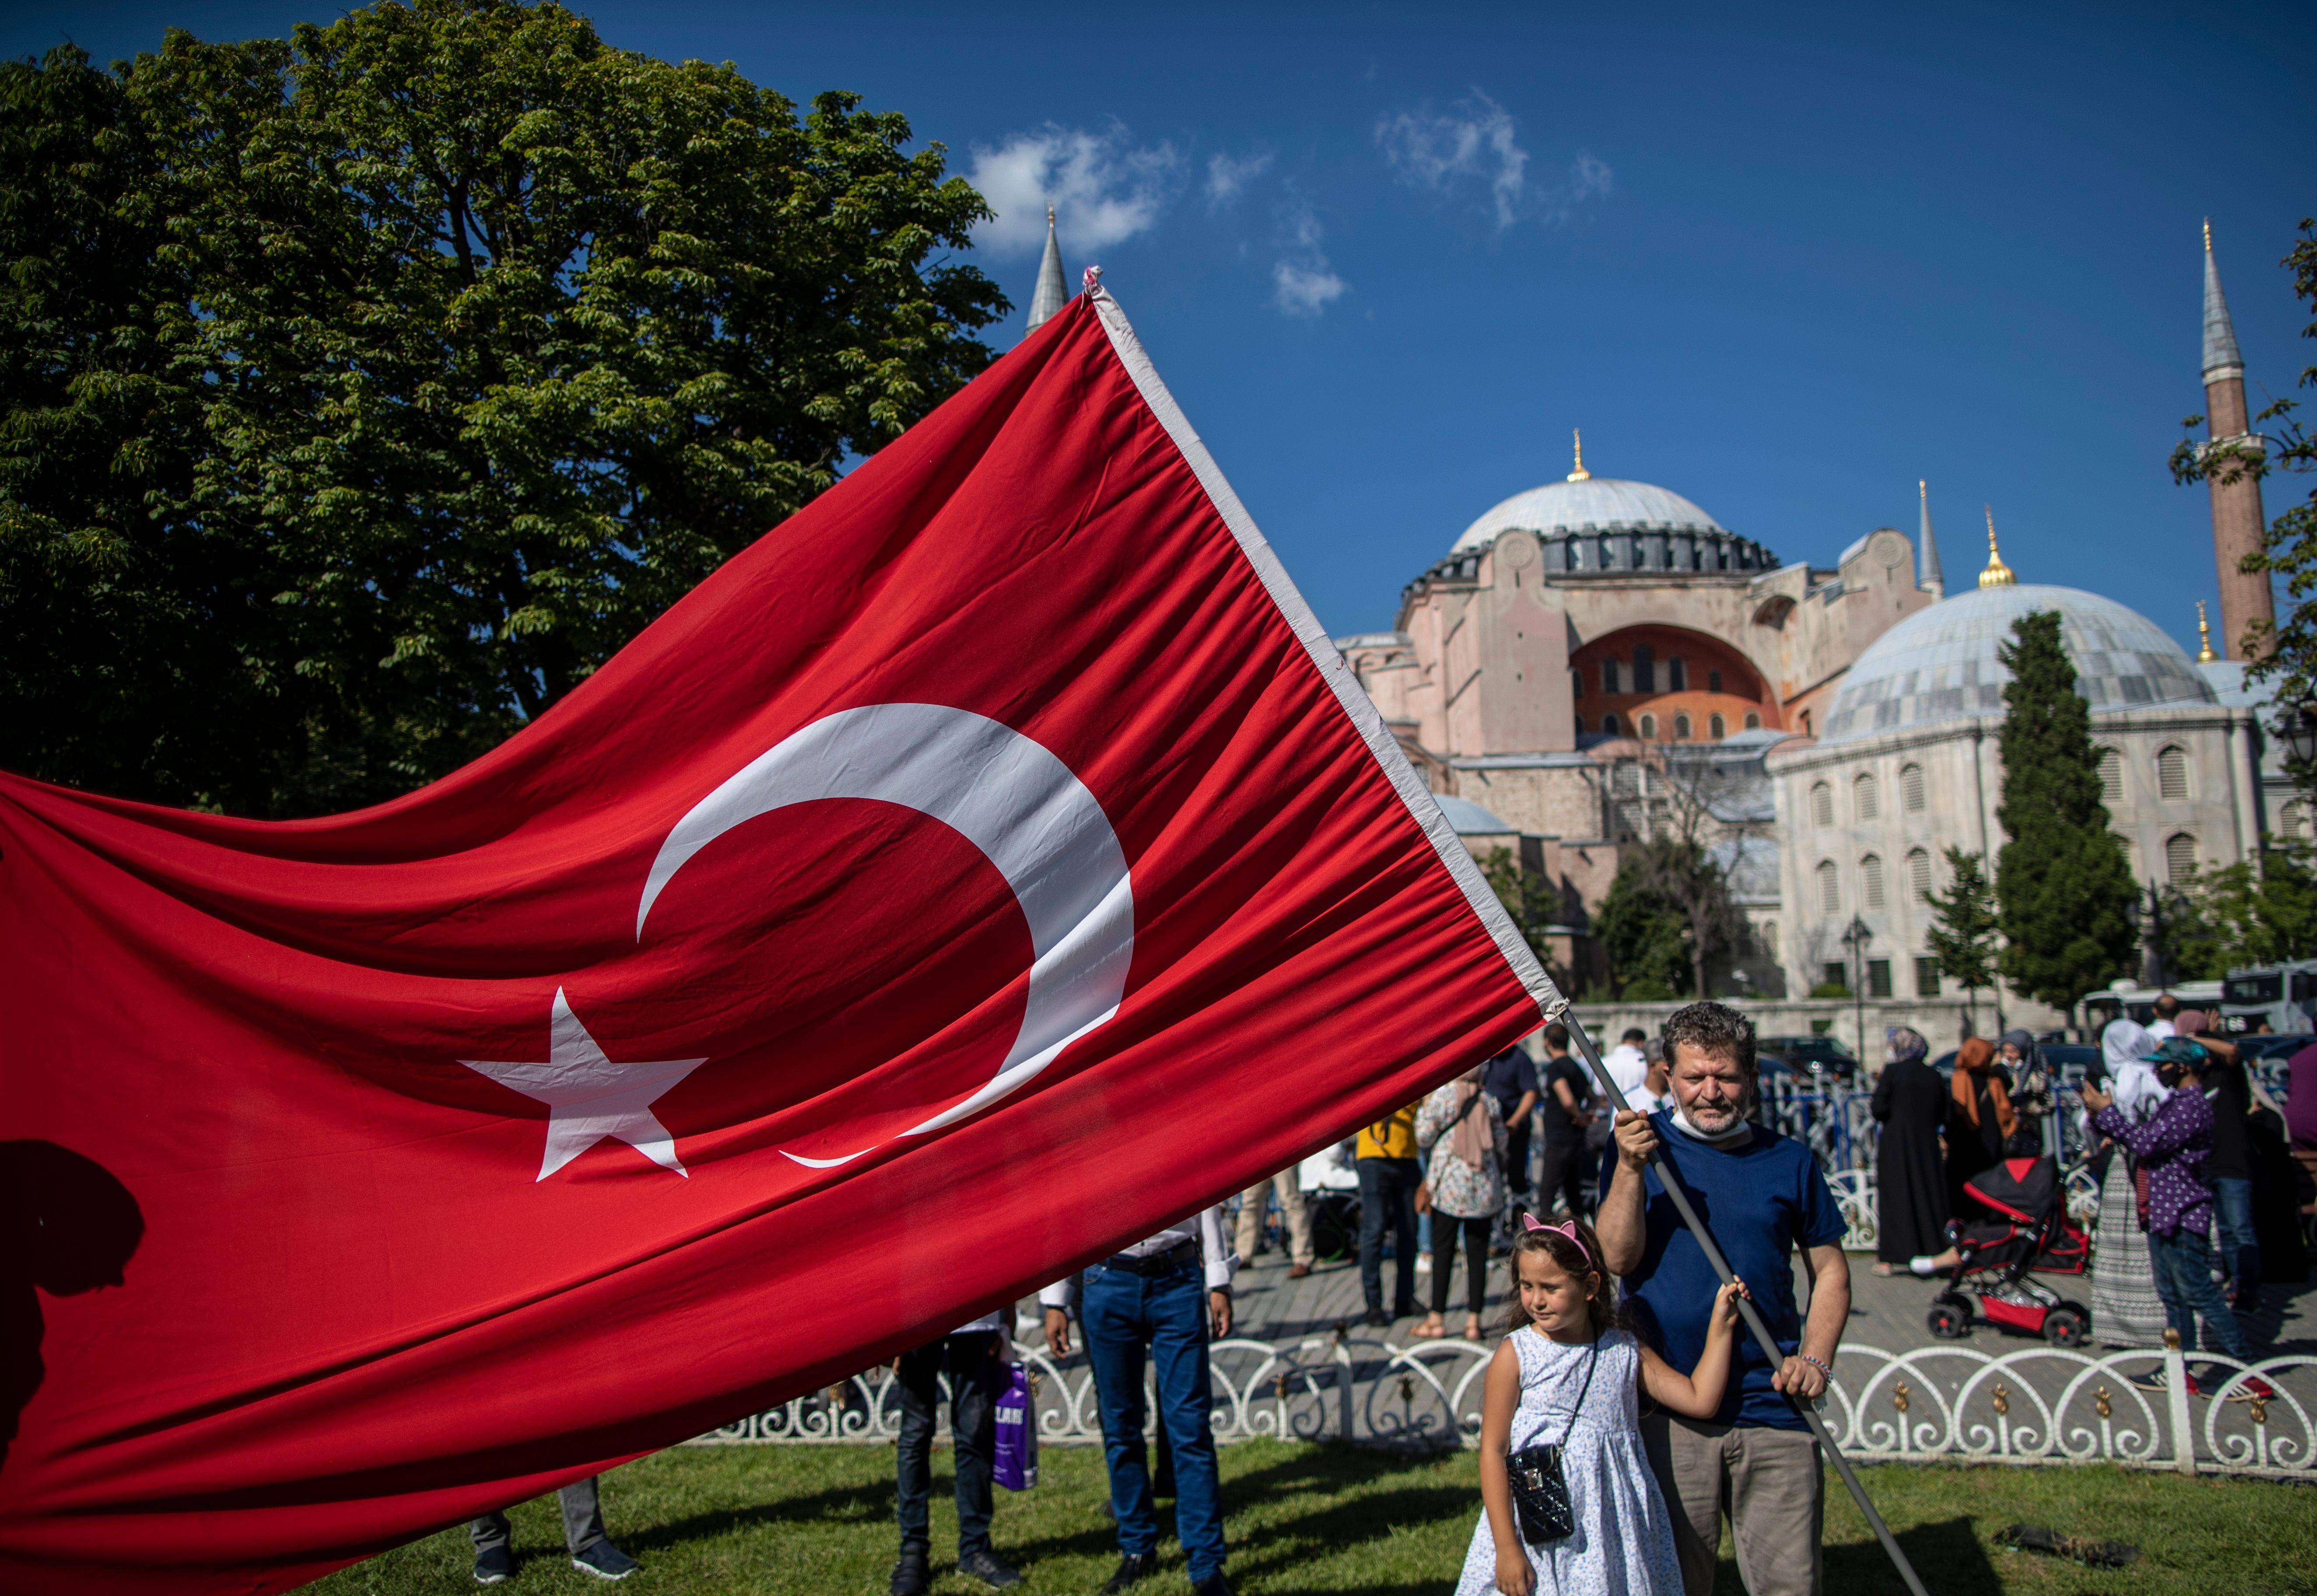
(1389, 1176)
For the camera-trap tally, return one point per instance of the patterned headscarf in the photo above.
(1973, 1062)
(1903, 1044)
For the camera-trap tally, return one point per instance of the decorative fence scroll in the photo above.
(2023, 1403)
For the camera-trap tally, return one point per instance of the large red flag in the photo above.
(992, 864)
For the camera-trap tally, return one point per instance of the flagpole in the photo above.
(1559, 1010)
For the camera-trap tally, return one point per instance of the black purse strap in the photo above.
(1591, 1358)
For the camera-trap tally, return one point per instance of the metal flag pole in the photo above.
(1559, 1010)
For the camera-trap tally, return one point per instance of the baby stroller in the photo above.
(1995, 1256)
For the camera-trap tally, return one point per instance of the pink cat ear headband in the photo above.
(1566, 1228)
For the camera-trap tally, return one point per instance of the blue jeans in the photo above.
(1388, 1197)
(2233, 1226)
(2184, 1281)
(1123, 1314)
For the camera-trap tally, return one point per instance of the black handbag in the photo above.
(1540, 1493)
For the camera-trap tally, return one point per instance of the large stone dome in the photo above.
(1596, 504)
(1601, 524)
(1939, 663)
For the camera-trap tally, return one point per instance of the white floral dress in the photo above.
(1458, 1189)
(1624, 1540)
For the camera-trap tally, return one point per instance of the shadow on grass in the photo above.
(1946, 1555)
(873, 1501)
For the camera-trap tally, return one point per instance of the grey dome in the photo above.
(1598, 504)
(1467, 818)
(1939, 663)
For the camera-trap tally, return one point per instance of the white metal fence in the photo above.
(2035, 1405)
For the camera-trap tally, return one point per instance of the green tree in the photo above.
(2064, 891)
(1668, 914)
(2235, 915)
(365, 391)
(2283, 654)
(1535, 908)
(1964, 924)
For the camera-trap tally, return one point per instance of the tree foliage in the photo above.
(2064, 891)
(365, 391)
(2284, 655)
(1963, 923)
(2232, 916)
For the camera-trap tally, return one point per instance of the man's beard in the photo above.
(1713, 1118)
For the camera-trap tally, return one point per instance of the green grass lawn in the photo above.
(783, 1520)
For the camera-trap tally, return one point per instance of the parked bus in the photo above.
(2131, 1000)
(2283, 995)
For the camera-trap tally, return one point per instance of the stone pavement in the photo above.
(1886, 1313)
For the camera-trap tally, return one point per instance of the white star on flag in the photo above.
(591, 1096)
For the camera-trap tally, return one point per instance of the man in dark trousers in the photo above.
(1568, 1165)
(1510, 1077)
(592, 1551)
(975, 1358)
(1154, 1304)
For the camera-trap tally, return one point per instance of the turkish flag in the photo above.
(993, 864)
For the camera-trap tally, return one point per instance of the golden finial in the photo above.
(1996, 574)
(1050, 216)
(1580, 474)
(2208, 235)
(2204, 655)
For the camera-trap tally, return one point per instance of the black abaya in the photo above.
(1971, 1148)
(1910, 1188)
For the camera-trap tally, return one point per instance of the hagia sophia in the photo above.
(1595, 659)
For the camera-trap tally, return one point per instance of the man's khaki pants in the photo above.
(1251, 1208)
(1770, 1481)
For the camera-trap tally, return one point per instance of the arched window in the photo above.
(1806, 724)
(1580, 732)
(1648, 728)
(1911, 788)
(1919, 874)
(1865, 798)
(1770, 938)
(1608, 675)
(1830, 887)
(1713, 681)
(1822, 805)
(2171, 773)
(1681, 728)
(2180, 858)
(1753, 721)
(1576, 683)
(2293, 820)
(2111, 766)
(1609, 724)
(1870, 879)
(1716, 728)
(1676, 675)
(1645, 673)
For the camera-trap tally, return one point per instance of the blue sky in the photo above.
(1784, 263)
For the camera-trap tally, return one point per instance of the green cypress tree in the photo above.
(2064, 890)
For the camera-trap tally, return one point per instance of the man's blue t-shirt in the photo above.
(1509, 1077)
(1761, 1199)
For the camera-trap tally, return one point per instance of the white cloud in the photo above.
(1302, 290)
(1226, 175)
(1475, 139)
(1105, 188)
(1301, 281)
(1588, 176)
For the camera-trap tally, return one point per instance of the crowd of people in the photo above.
(1624, 1417)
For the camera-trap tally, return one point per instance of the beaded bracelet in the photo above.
(1822, 1367)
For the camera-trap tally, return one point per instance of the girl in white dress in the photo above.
(1564, 1342)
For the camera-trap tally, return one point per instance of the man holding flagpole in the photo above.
(1763, 1195)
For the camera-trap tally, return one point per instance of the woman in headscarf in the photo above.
(1468, 1189)
(1910, 1192)
(1979, 1120)
(2126, 1312)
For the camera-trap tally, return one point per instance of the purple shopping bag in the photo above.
(1015, 1467)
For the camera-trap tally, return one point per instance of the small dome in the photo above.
(1468, 819)
(1594, 504)
(1939, 663)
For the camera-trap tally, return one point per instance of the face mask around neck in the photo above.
(1737, 1133)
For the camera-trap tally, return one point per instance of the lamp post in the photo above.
(2298, 731)
(1856, 936)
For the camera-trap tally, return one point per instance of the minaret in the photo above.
(1933, 581)
(2237, 520)
(1996, 574)
(1052, 293)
